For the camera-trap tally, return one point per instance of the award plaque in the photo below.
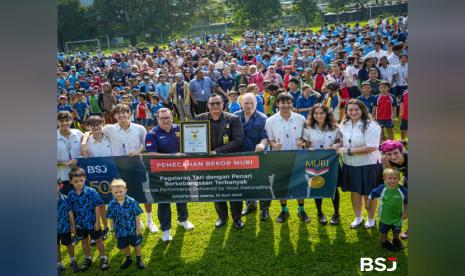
(195, 137)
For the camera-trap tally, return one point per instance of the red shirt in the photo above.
(141, 111)
(404, 101)
(384, 105)
(319, 80)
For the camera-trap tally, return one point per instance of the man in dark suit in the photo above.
(226, 135)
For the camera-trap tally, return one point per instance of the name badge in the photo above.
(203, 92)
(225, 139)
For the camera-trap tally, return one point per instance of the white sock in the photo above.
(59, 264)
(103, 257)
(71, 259)
(149, 216)
(357, 220)
(371, 221)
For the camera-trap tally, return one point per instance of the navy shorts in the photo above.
(385, 123)
(134, 240)
(65, 238)
(384, 228)
(83, 233)
(404, 125)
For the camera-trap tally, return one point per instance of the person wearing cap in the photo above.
(367, 45)
(73, 76)
(63, 104)
(147, 85)
(201, 88)
(367, 98)
(181, 97)
(115, 73)
(233, 105)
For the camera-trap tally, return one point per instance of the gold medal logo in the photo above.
(316, 182)
(195, 135)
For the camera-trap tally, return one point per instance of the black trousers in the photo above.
(222, 209)
(200, 107)
(264, 204)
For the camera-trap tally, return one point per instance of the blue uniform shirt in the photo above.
(83, 206)
(303, 102)
(80, 108)
(226, 83)
(154, 108)
(233, 107)
(63, 208)
(254, 130)
(369, 102)
(64, 108)
(163, 90)
(295, 95)
(158, 140)
(124, 216)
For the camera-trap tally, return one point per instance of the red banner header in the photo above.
(204, 164)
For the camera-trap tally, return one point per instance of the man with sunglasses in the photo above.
(226, 135)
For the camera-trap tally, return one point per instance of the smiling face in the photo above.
(319, 115)
(354, 112)
(122, 115)
(391, 179)
(64, 124)
(215, 105)
(165, 119)
(285, 106)
(249, 103)
(394, 156)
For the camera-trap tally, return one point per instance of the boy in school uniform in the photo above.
(384, 110)
(85, 202)
(233, 105)
(124, 212)
(367, 98)
(65, 225)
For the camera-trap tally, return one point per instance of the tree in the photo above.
(338, 6)
(308, 9)
(257, 13)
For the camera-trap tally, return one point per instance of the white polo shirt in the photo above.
(393, 60)
(285, 132)
(320, 139)
(125, 141)
(353, 137)
(67, 149)
(403, 74)
(99, 148)
(388, 73)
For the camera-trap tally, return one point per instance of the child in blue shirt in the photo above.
(84, 202)
(81, 110)
(306, 100)
(155, 105)
(63, 104)
(124, 212)
(233, 105)
(367, 98)
(65, 225)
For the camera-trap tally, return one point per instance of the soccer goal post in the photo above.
(89, 44)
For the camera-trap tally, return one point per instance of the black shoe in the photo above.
(140, 264)
(105, 233)
(397, 243)
(87, 263)
(282, 216)
(249, 209)
(238, 224)
(126, 263)
(60, 270)
(220, 223)
(388, 245)
(104, 264)
(92, 242)
(303, 216)
(322, 219)
(335, 219)
(264, 214)
(74, 266)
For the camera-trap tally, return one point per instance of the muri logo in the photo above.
(366, 264)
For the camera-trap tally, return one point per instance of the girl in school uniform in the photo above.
(362, 168)
(322, 132)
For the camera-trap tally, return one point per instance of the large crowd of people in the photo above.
(343, 87)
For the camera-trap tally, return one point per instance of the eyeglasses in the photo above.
(95, 126)
(215, 103)
(164, 118)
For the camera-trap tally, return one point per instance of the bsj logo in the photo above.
(97, 169)
(366, 264)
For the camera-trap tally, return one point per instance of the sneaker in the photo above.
(282, 216)
(335, 219)
(74, 266)
(303, 216)
(126, 263)
(165, 236)
(105, 233)
(87, 263)
(322, 219)
(152, 227)
(186, 224)
(388, 245)
(60, 270)
(92, 242)
(104, 264)
(356, 223)
(140, 264)
(370, 223)
(397, 243)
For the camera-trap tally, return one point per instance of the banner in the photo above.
(240, 176)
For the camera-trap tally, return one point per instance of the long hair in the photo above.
(366, 117)
(330, 122)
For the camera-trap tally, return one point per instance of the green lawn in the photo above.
(265, 248)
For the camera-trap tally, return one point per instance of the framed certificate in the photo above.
(195, 137)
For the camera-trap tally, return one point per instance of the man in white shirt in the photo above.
(284, 130)
(126, 138)
(377, 52)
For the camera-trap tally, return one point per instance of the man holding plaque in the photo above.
(255, 139)
(226, 136)
(163, 139)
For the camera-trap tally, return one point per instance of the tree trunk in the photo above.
(133, 38)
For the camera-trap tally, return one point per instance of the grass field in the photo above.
(261, 248)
